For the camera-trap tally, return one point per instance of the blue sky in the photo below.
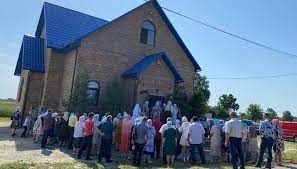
(270, 22)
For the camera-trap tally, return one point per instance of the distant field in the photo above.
(6, 109)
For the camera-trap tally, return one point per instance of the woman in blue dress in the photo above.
(149, 146)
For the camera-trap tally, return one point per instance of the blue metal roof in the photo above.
(147, 61)
(31, 56)
(65, 26)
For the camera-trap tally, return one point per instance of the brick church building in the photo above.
(140, 47)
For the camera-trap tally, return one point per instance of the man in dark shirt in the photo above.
(47, 126)
(106, 130)
(139, 139)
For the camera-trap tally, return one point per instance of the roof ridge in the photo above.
(46, 2)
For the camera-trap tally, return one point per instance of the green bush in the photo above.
(5, 114)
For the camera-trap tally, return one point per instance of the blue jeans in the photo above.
(236, 151)
(265, 143)
(201, 152)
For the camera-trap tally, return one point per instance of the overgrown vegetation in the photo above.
(115, 99)
(78, 101)
(6, 109)
(197, 104)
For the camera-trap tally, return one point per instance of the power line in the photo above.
(231, 34)
(253, 77)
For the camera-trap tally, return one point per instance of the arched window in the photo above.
(93, 92)
(148, 32)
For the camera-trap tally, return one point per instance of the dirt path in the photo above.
(16, 148)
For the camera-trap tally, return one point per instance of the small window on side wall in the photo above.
(93, 92)
(148, 31)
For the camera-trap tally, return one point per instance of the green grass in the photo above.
(290, 154)
(4, 119)
(6, 109)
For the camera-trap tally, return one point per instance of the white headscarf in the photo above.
(168, 106)
(184, 119)
(66, 117)
(169, 125)
(96, 120)
(136, 111)
(17, 109)
(104, 118)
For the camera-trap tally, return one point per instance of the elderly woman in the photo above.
(169, 143)
(78, 134)
(96, 136)
(37, 131)
(184, 129)
(62, 126)
(125, 136)
(117, 122)
(15, 121)
(279, 142)
(136, 111)
(215, 141)
(149, 146)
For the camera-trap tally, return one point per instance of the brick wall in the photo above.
(107, 53)
(156, 77)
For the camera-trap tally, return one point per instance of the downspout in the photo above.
(74, 71)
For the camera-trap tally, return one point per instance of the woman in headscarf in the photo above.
(136, 111)
(178, 148)
(62, 127)
(169, 143)
(117, 122)
(244, 141)
(96, 136)
(146, 109)
(279, 142)
(215, 140)
(167, 112)
(184, 129)
(15, 121)
(37, 131)
(149, 145)
(125, 136)
(156, 111)
(78, 134)
(174, 113)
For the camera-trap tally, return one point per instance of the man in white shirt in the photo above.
(233, 134)
(195, 138)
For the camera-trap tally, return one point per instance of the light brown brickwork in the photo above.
(108, 52)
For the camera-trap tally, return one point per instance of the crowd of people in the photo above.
(154, 132)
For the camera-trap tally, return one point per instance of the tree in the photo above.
(78, 101)
(228, 102)
(273, 114)
(287, 116)
(244, 115)
(199, 101)
(254, 111)
(197, 104)
(115, 99)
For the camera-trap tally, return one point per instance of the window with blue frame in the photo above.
(93, 92)
(148, 32)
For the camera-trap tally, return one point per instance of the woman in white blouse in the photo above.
(184, 129)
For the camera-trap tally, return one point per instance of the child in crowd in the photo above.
(37, 129)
